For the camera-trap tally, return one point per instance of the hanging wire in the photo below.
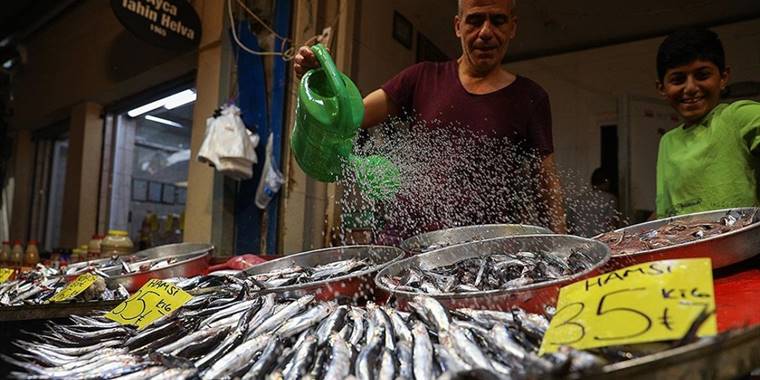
(286, 55)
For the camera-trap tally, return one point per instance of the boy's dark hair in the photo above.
(687, 45)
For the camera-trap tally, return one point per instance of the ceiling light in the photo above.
(163, 121)
(169, 102)
(180, 99)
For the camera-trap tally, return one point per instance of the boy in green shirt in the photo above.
(709, 162)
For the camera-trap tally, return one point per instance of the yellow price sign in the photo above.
(649, 302)
(154, 300)
(5, 274)
(75, 287)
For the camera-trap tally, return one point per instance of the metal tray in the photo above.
(194, 261)
(728, 356)
(458, 235)
(724, 249)
(355, 286)
(532, 297)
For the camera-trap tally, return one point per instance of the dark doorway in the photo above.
(609, 154)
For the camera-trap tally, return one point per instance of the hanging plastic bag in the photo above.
(228, 145)
(271, 178)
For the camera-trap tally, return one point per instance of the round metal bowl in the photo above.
(192, 260)
(430, 241)
(533, 297)
(356, 286)
(724, 249)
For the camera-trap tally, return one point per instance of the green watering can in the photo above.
(328, 116)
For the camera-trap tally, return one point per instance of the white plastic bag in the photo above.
(228, 145)
(271, 178)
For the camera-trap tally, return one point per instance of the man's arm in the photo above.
(552, 194)
(377, 107)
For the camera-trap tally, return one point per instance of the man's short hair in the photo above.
(459, 6)
(688, 45)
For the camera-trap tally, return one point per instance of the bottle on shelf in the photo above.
(32, 254)
(93, 248)
(17, 254)
(116, 243)
(5, 253)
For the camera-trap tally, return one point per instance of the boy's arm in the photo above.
(746, 115)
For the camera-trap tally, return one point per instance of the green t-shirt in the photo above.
(710, 165)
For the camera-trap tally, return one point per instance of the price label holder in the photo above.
(650, 302)
(5, 274)
(72, 289)
(154, 300)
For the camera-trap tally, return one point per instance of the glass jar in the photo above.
(76, 255)
(17, 254)
(116, 243)
(32, 254)
(93, 248)
(5, 253)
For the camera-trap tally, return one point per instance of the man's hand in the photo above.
(304, 61)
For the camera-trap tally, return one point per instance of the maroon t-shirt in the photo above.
(432, 93)
(488, 173)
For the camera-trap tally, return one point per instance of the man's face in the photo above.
(693, 90)
(485, 28)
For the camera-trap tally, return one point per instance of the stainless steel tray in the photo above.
(458, 235)
(728, 356)
(355, 286)
(724, 249)
(532, 297)
(193, 260)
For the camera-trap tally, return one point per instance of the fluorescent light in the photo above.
(163, 121)
(169, 102)
(180, 99)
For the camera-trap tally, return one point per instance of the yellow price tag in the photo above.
(154, 300)
(75, 287)
(5, 274)
(642, 303)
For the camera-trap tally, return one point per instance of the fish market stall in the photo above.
(276, 319)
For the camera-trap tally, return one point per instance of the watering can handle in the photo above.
(336, 82)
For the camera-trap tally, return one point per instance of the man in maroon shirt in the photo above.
(475, 92)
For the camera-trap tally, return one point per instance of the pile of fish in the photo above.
(232, 331)
(37, 287)
(120, 265)
(296, 275)
(678, 231)
(493, 272)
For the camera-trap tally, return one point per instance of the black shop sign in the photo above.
(170, 24)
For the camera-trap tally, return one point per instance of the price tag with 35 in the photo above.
(72, 289)
(154, 300)
(5, 274)
(649, 302)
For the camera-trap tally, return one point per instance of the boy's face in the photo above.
(693, 90)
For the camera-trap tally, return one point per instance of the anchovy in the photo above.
(266, 360)
(237, 359)
(331, 324)
(340, 361)
(279, 317)
(423, 352)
